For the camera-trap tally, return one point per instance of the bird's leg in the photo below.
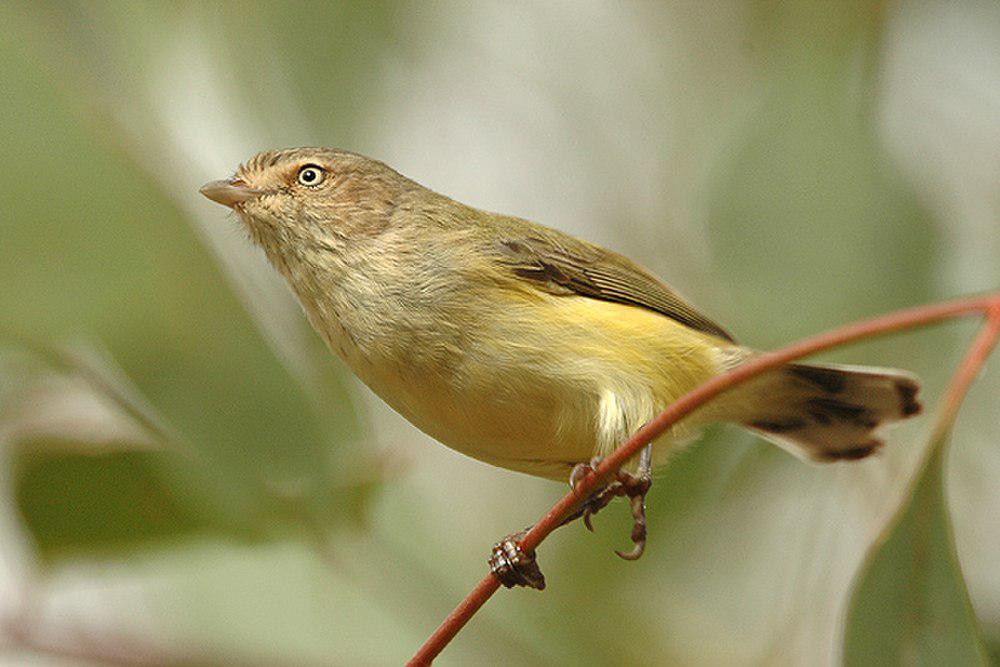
(514, 566)
(634, 487)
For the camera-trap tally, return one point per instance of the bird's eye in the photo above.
(311, 175)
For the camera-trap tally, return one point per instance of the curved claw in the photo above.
(635, 553)
(593, 504)
(638, 507)
(580, 470)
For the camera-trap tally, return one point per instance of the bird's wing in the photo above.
(561, 264)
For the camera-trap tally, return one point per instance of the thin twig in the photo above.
(970, 366)
(892, 322)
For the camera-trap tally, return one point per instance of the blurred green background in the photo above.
(188, 477)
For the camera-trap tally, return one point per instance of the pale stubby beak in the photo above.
(229, 192)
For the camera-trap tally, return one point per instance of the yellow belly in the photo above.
(549, 382)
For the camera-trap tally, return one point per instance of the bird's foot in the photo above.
(631, 486)
(597, 500)
(514, 566)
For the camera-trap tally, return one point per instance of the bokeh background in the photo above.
(187, 476)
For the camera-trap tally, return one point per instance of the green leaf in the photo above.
(73, 504)
(910, 604)
(129, 269)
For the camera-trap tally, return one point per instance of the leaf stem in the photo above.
(970, 366)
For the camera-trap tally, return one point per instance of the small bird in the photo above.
(520, 345)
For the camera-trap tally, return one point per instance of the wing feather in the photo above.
(561, 264)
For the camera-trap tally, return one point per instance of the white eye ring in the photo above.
(311, 175)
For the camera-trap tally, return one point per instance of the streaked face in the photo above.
(306, 193)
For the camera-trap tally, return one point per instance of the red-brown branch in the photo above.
(970, 366)
(898, 321)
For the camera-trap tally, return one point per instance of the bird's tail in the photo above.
(824, 412)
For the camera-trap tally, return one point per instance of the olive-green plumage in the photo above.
(512, 342)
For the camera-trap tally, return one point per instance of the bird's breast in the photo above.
(537, 385)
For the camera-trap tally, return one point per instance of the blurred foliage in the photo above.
(262, 526)
(910, 605)
(102, 503)
(111, 256)
(807, 187)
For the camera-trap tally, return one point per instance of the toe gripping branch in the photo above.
(634, 487)
(514, 566)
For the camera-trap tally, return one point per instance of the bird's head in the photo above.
(301, 197)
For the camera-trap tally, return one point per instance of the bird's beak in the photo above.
(230, 192)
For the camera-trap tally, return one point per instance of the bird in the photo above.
(520, 345)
